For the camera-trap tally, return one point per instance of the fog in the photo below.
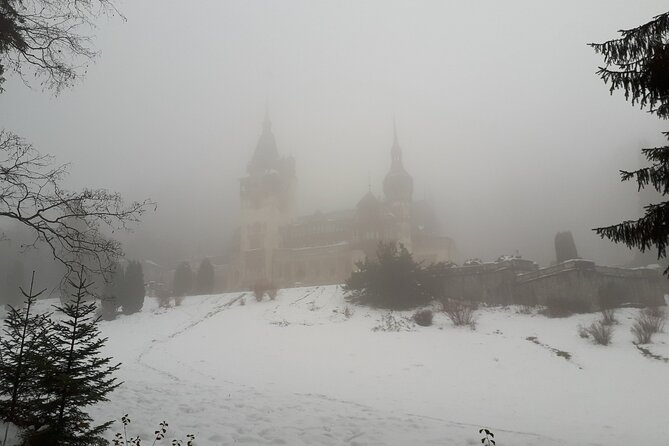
(504, 124)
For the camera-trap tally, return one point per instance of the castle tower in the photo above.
(267, 196)
(398, 191)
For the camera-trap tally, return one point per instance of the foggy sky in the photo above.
(504, 125)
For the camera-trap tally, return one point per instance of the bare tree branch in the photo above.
(70, 224)
(49, 38)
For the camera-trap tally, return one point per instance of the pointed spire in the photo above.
(396, 150)
(266, 155)
(267, 123)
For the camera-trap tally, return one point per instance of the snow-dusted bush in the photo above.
(272, 292)
(648, 322)
(423, 317)
(178, 300)
(163, 299)
(392, 323)
(600, 332)
(609, 316)
(260, 287)
(460, 313)
(583, 332)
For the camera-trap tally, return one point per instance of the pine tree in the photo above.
(133, 297)
(205, 277)
(183, 280)
(638, 64)
(78, 375)
(22, 351)
(392, 280)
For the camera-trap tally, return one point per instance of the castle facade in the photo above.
(279, 247)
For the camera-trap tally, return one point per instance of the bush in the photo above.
(423, 317)
(259, 289)
(272, 292)
(600, 332)
(609, 316)
(348, 312)
(178, 300)
(583, 332)
(163, 299)
(393, 280)
(564, 306)
(460, 313)
(648, 322)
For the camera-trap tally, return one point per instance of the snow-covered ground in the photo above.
(297, 371)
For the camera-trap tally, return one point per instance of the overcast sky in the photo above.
(503, 122)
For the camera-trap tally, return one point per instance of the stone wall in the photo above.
(518, 281)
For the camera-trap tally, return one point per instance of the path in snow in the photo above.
(297, 371)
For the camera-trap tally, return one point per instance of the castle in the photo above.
(279, 247)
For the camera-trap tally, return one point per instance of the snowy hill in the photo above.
(298, 371)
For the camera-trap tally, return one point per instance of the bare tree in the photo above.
(70, 224)
(49, 38)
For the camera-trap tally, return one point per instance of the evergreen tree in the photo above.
(205, 277)
(78, 376)
(638, 64)
(183, 280)
(133, 297)
(565, 248)
(22, 352)
(394, 280)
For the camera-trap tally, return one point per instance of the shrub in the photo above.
(260, 287)
(393, 280)
(163, 299)
(348, 312)
(242, 302)
(178, 300)
(600, 332)
(423, 317)
(460, 313)
(272, 292)
(648, 322)
(583, 332)
(557, 306)
(609, 316)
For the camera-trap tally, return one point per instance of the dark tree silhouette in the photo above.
(132, 298)
(638, 64)
(393, 280)
(183, 280)
(70, 224)
(47, 38)
(22, 349)
(565, 248)
(204, 282)
(77, 374)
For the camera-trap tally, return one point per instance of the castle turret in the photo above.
(267, 196)
(398, 184)
(398, 191)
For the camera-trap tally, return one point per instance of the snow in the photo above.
(297, 371)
